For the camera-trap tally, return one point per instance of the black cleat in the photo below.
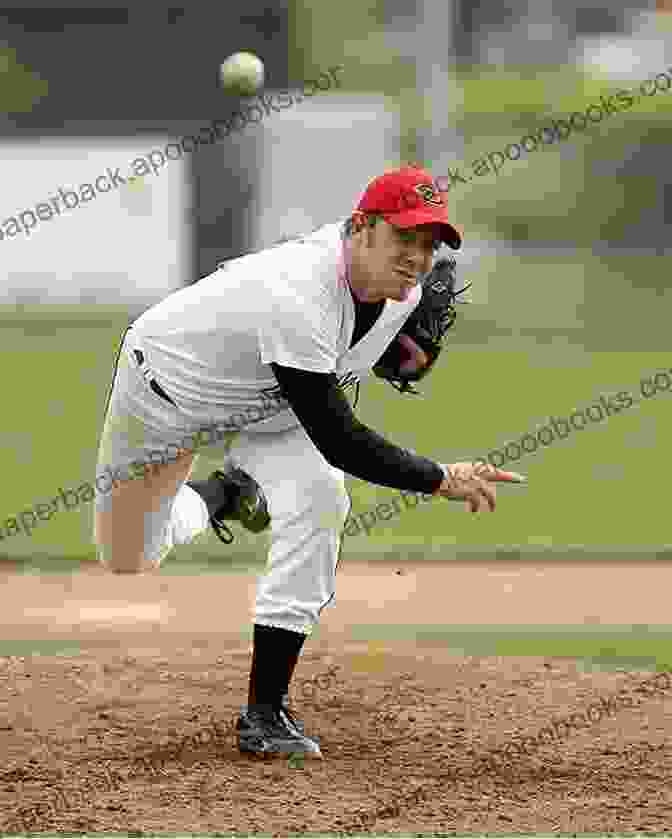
(273, 732)
(233, 495)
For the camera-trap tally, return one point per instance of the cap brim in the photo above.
(414, 218)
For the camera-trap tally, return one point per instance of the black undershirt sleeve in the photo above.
(324, 411)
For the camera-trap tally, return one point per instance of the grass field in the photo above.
(548, 337)
(599, 648)
(608, 648)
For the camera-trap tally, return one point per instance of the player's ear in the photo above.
(357, 222)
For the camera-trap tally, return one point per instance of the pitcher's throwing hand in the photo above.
(471, 482)
(463, 485)
(481, 469)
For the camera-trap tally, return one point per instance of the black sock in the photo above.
(275, 654)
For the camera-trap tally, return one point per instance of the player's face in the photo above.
(395, 259)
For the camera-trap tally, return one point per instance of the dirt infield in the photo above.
(134, 732)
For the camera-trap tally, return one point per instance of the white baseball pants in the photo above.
(149, 508)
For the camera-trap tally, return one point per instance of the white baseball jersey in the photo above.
(211, 343)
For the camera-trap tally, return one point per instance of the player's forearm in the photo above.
(346, 443)
(370, 457)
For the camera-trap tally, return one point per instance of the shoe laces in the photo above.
(273, 719)
(289, 714)
(217, 520)
(219, 527)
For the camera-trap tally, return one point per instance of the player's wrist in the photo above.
(447, 478)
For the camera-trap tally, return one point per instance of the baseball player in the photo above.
(290, 327)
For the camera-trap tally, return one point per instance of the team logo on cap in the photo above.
(429, 194)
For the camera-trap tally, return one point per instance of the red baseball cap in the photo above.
(408, 197)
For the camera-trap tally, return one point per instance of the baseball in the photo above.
(242, 73)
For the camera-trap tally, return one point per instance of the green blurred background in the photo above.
(572, 302)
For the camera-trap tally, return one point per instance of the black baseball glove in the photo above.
(426, 326)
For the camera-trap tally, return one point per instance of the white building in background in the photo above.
(131, 244)
(134, 244)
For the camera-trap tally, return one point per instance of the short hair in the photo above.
(371, 219)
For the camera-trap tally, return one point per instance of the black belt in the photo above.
(155, 386)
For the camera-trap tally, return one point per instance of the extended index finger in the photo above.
(495, 475)
(501, 476)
